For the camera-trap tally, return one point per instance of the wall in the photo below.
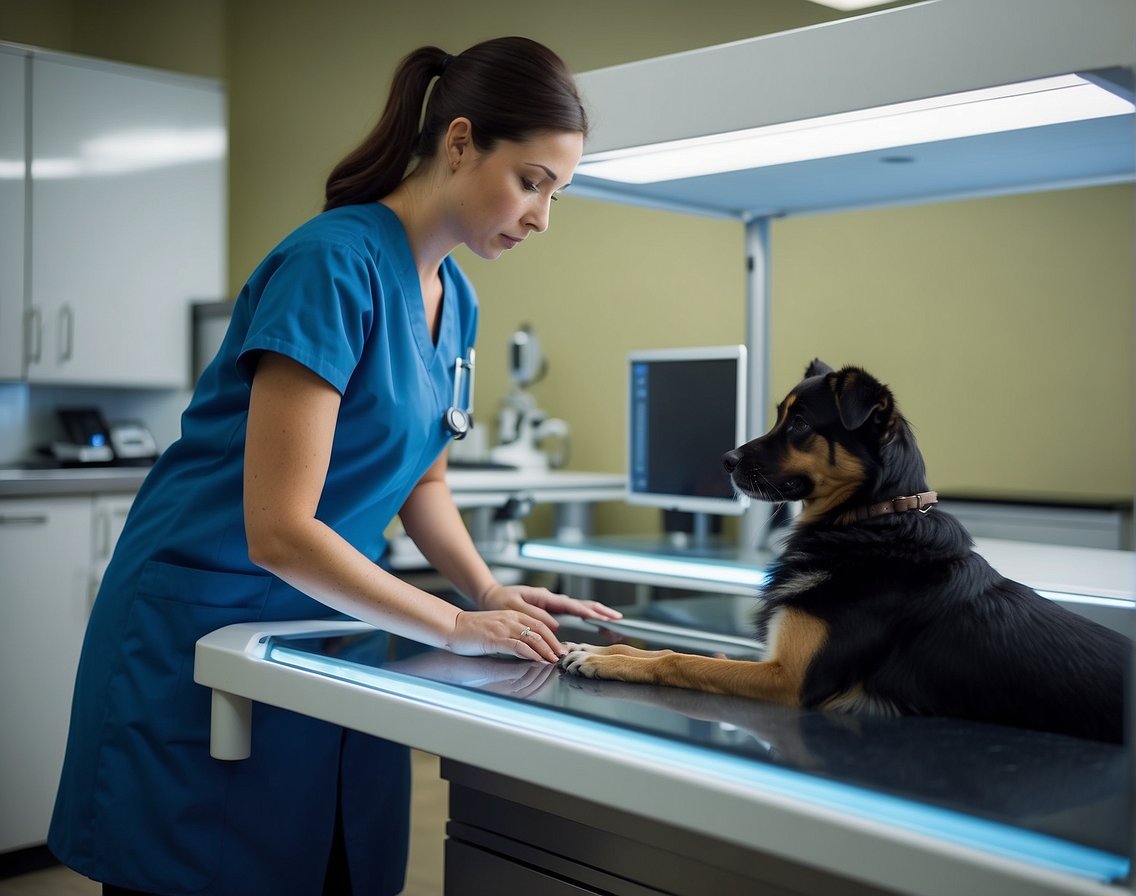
(999, 322)
(967, 308)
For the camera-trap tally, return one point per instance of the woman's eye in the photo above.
(528, 184)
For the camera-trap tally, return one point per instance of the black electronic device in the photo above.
(89, 440)
(86, 437)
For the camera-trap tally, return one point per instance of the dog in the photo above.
(878, 603)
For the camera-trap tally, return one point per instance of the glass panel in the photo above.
(1049, 800)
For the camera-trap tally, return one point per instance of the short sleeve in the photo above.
(314, 303)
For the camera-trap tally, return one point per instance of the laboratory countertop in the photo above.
(1028, 798)
(26, 482)
(472, 486)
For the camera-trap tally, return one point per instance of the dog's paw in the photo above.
(579, 660)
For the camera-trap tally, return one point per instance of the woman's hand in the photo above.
(505, 631)
(518, 620)
(543, 603)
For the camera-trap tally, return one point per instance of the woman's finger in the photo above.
(561, 603)
(536, 641)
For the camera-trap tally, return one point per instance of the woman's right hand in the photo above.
(508, 632)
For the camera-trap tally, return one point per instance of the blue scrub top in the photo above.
(141, 804)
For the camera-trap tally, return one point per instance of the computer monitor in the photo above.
(687, 408)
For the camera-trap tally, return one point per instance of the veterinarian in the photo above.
(326, 412)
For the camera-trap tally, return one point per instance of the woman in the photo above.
(320, 419)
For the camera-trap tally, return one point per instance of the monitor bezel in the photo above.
(733, 506)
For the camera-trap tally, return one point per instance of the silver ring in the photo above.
(525, 632)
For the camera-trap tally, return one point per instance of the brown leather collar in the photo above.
(921, 502)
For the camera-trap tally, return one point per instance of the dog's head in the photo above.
(839, 442)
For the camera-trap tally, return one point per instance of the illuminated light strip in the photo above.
(663, 566)
(735, 575)
(1028, 104)
(1095, 600)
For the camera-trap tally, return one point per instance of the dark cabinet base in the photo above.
(510, 836)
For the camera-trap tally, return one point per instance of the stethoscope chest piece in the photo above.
(458, 422)
(458, 417)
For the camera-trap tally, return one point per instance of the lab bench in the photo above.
(560, 785)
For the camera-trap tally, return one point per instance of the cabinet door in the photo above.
(12, 196)
(109, 514)
(128, 223)
(45, 558)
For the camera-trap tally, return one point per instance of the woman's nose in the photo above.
(537, 219)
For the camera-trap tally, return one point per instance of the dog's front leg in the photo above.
(799, 636)
(741, 678)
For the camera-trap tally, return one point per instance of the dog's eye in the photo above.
(798, 425)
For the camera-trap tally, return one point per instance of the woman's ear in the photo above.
(458, 141)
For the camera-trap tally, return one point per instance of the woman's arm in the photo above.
(432, 520)
(292, 418)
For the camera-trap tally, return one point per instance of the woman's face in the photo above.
(504, 195)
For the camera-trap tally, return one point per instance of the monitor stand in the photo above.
(701, 534)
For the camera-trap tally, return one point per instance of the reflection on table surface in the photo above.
(1070, 789)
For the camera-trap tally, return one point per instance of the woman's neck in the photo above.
(418, 203)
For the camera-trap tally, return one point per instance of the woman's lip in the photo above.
(510, 241)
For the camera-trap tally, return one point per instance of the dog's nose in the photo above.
(731, 459)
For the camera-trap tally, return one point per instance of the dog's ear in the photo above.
(817, 368)
(860, 396)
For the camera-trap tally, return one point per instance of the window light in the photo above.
(1048, 101)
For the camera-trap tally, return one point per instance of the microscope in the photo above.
(524, 430)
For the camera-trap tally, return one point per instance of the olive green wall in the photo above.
(1004, 325)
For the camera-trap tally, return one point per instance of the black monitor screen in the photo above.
(686, 411)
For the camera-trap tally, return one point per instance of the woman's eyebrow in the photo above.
(544, 168)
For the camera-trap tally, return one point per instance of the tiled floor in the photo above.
(423, 876)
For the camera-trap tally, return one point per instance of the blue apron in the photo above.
(141, 804)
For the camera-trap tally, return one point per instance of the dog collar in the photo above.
(921, 502)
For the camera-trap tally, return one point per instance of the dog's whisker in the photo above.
(774, 489)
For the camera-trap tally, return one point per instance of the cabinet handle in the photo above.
(28, 519)
(33, 336)
(66, 332)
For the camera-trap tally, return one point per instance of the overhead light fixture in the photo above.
(1028, 104)
(850, 5)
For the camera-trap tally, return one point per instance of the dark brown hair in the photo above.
(510, 88)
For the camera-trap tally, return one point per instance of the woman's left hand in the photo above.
(543, 604)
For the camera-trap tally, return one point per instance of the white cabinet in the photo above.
(45, 556)
(127, 220)
(13, 191)
(108, 516)
(52, 553)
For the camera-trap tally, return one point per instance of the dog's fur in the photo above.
(894, 614)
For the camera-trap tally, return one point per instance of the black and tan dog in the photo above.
(878, 603)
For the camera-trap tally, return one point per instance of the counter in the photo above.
(25, 482)
(471, 487)
(632, 789)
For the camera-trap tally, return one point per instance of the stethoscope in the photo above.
(458, 418)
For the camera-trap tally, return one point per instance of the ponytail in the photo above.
(509, 88)
(375, 167)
